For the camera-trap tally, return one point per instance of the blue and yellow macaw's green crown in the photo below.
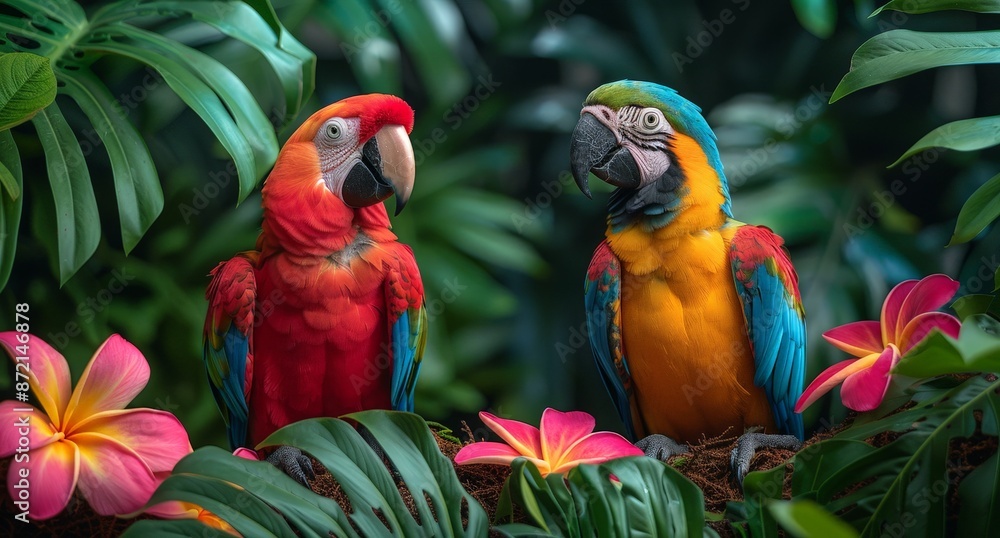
(683, 115)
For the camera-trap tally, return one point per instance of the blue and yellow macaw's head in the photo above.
(655, 146)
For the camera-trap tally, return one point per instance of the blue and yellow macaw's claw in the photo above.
(695, 319)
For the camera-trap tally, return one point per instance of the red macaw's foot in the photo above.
(748, 445)
(293, 462)
(660, 447)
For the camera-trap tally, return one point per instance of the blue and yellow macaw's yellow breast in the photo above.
(695, 319)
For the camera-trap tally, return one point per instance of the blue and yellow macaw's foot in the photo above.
(660, 447)
(366, 434)
(294, 463)
(748, 445)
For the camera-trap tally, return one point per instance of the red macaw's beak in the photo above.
(387, 167)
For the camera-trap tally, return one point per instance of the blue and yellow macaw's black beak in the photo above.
(595, 148)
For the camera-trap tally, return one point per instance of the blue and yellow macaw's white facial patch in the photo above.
(642, 131)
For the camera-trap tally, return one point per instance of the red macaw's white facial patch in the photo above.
(338, 150)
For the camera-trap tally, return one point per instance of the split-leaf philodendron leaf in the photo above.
(71, 39)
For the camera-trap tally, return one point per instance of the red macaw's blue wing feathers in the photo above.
(602, 298)
(407, 327)
(768, 288)
(228, 340)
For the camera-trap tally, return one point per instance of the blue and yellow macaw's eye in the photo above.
(651, 121)
(642, 121)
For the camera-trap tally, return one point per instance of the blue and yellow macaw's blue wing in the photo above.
(407, 327)
(768, 288)
(603, 306)
(228, 340)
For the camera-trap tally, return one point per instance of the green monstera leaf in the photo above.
(635, 496)
(904, 486)
(257, 499)
(27, 85)
(73, 39)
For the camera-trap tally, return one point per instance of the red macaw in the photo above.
(326, 316)
(695, 319)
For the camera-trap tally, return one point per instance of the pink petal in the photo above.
(38, 430)
(865, 389)
(486, 452)
(891, 306)
(560, 431)
(524, 438)
(917, 329)
(156, 436)
(116, 374)
(246, 454)
(48, 373)
(52, 476)
(829, 378)
(596, 448)
(859, 338)
(930, 294)
(113, 478)
(495, 453)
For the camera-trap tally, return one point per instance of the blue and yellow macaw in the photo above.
(695, 318)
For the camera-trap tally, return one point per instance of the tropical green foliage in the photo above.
(894, 470)
(636, 496)
(898, 53)
(817, 16)
(257, 499)
(899, 469)
(805, 518)
(501, 239)
(622, 497)
(27, 85)
(73, 40)
(981, 209)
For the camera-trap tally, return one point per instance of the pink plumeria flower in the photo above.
(246, 453)
(564, 441)
(86, 437)
(909, 313)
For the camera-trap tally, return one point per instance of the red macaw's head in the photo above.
(340, 164)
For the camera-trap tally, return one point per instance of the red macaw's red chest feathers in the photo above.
(324, 348)
(326, 316)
